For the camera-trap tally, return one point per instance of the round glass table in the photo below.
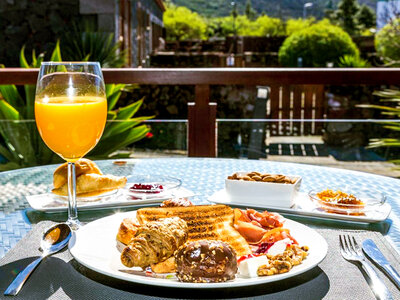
(203, 176)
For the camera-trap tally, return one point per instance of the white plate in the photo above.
(304, 206)
(52, 203)
(94, 246)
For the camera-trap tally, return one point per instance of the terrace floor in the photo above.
(307, 150)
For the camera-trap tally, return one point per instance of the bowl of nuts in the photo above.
(274, 190)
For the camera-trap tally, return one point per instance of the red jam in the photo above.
(147, 188)
(263, 248)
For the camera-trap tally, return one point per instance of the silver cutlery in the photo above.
(53, 240)
(352, 252)
(380, 260)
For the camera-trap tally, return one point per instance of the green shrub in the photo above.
(267, 26)
(294, 25)
(316, 45)
(387, 42)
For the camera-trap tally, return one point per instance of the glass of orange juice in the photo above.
(70, 113)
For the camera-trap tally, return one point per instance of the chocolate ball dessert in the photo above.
(205, 261)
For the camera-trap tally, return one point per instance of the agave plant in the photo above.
(23, 146)
(353, 61)
(84, 43)
(387, 95)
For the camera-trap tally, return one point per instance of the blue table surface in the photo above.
(204, 176)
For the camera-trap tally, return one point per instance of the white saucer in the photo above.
(304, 206)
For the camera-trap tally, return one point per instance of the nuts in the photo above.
(256, 176)
(282, 263)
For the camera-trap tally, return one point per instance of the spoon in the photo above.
(53, 240)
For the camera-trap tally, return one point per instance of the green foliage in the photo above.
(316, 45)
(262, 26)
(345, 15)
(353, 61)
(391, 111)
(275, 8)
(83, 43)
(266, 26)
(294, 25)
(366, 18)
(23, 145)
(181, 23)
(249, 11)
(387, 43)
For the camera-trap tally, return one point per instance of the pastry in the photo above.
(155, 242)
(93, 184)
(127, 230)
(82, 166)
(176, 202)
(166, 266)
(206, 261)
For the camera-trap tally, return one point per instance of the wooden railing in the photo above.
(202, 113)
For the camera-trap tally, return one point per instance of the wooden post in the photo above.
(202, 124)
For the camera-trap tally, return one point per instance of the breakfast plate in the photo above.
(306, 207)
(53, 203)
(94, 246)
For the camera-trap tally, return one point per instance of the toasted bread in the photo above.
(209, 222)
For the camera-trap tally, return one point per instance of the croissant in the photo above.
(82, 166)
(127, 230)
(93, 184)
(155, 242)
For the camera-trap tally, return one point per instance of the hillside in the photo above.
(275, 8)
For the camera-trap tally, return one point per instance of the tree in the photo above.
(329, 12)
(181, 23)
(366, 17)
(249, 11)
(387, 43)
(345, 13)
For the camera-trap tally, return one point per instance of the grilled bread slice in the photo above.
(209, 222)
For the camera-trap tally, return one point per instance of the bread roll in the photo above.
(82, 166)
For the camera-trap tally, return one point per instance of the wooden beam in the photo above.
(202, 139)
(228, 76)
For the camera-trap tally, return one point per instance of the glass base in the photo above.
(74, 224)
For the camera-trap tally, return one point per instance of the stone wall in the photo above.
(36, 24)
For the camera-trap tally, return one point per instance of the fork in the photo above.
(351, 251)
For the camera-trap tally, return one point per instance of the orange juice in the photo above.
(71, 127)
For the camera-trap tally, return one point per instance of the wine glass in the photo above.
(70, 113)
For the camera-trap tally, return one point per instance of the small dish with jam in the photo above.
(347, 201)
(142, 186)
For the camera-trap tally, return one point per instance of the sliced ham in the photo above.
(249, 231)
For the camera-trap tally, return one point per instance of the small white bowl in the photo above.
(262, 193)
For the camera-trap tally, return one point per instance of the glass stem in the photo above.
(73, 221)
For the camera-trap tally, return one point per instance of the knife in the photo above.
(380, 260)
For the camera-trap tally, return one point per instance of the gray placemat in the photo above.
(61, 277)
